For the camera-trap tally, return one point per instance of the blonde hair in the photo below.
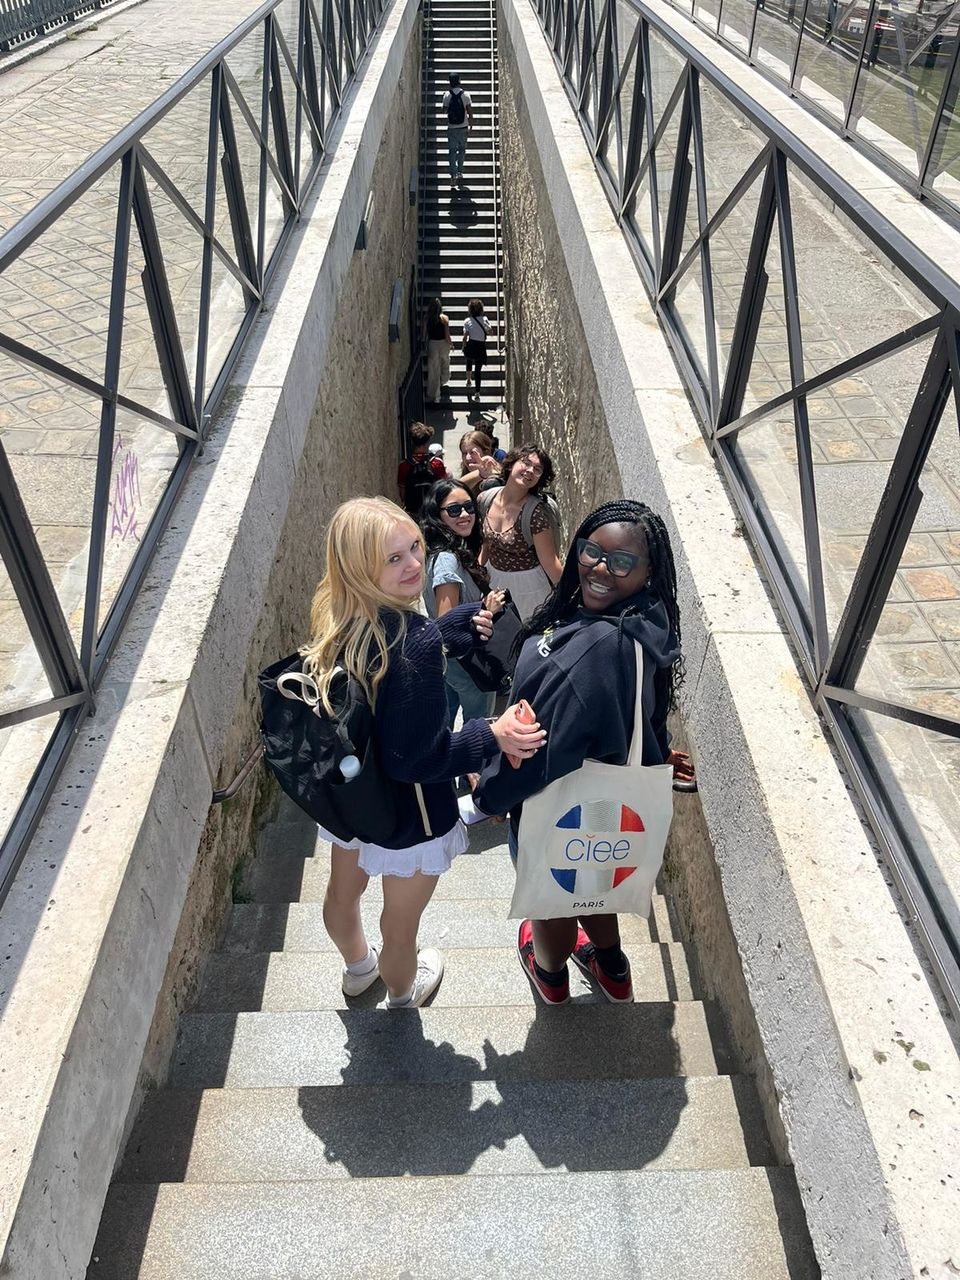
(345, 622)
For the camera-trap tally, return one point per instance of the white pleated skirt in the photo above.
(432, 857)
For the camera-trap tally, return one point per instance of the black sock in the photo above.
(551, 979)
(612, 961)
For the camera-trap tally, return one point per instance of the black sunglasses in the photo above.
(620, 563)
(457, 508)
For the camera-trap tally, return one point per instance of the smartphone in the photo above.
(525, 715)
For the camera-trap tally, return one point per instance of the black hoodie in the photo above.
(580, 680)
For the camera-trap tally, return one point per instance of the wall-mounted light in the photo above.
(363, 231)
(396, 298)
(414, 183)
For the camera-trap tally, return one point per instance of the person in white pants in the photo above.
(439, 342)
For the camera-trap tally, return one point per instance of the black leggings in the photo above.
(475, 353)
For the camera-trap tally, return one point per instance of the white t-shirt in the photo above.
(466, 103)
(476, 328)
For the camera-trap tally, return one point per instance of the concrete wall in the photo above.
(128, 878)
(796, 927)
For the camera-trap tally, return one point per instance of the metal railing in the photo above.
(729, 218)
(884, 75)
(22, 20)
(221, 243)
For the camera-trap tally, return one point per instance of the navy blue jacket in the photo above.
(411, 718)
(581, 681)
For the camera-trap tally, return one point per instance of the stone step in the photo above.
(483, 977)
(360, 1131)
(476, 922)
(715, 1224)
(434, 1046)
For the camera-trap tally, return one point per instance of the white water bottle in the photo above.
(349, 767)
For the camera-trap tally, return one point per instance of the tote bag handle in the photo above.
(635, 754)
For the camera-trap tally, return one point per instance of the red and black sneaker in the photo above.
(619, 990)
(548, 994)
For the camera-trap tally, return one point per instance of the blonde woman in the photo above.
(364, 616)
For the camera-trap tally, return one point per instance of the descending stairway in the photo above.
(481, 1137)
(461, 255)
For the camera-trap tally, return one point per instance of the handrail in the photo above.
(24, 20)
(495, 139)
(299, 96)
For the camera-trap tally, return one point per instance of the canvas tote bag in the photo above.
(592, 842)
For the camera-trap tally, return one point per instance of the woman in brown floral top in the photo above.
(519, 546)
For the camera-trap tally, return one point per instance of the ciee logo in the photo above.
(590, 850)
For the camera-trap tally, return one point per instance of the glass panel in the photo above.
(850, 297)
(767, 454)
(775, 37)
(627, 93)
(944, 173)
(829, 48)
(770, 369)
(55, 297)
(23, 681)
(729, 145)
(227, 311)
(708, 11)
(640, 218)
(729, 250)
(666, 68)
(914, 656)
(666, 162)
(248, 151)
(50, 432)
(918, 773)
(178, 143)
(736, 22)
(906, 59)
(687, 308)
(855, 427)
(143, 458)
(21, 749)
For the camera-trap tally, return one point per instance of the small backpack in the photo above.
(420, 480)
(305, 749)
(456, 110)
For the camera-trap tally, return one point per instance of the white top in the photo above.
(476, 328)
(467, 102)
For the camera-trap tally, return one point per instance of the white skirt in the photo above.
(432, 857)
(528, 588)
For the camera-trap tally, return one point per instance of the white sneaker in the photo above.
(354, 984)
(429, 973)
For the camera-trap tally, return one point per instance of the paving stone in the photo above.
(933, 584)
(481, 1127)
(374, 1046)
(743, 1224)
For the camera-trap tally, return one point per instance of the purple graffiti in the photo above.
(126, 493)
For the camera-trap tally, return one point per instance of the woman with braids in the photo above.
(578, 671)
(453, 577)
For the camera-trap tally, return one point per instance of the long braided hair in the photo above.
(564, 601)
(440, 537)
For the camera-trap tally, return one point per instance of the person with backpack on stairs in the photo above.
(364, 618)
(459, 112)
(418, 473)
(521, 530)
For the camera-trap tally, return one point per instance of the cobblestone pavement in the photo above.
(56, 109)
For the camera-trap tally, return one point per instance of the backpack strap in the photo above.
(484, 501)
(526, 517)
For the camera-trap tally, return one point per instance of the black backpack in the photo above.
(304, 748)
(456, 110)
(420, 480)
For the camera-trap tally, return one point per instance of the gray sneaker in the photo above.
(354, 984)
(429, 973)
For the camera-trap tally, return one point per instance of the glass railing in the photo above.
(821, 351)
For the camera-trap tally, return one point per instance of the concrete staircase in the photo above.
(483, 1136)
(461, 256)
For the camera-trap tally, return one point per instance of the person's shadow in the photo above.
(584, 1087)
(462, 211)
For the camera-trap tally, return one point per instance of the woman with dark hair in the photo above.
(519, 532)
(436, 330)
(577, 669)
(476, 330)
(453, 577)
